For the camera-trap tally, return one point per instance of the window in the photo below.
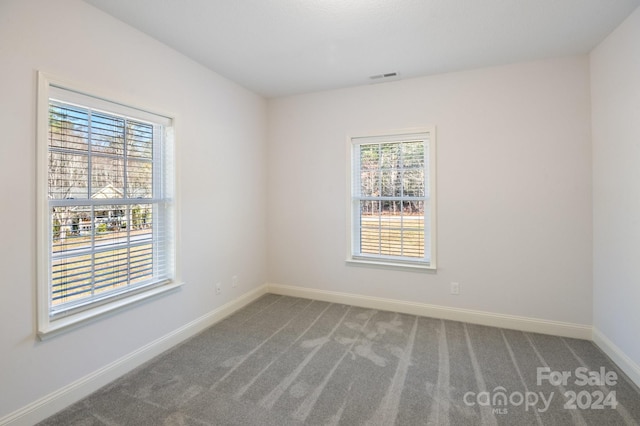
(392, 199)
(105, 200)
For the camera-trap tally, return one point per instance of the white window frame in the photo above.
(75, 93)
(353, 201)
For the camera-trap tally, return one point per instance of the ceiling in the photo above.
(283, 47)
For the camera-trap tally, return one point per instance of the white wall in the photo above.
(615, 87)
(221, 148)
(514, 188)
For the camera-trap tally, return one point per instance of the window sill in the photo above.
(52, 328)
(389, 264)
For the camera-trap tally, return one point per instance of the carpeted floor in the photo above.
(290, 361)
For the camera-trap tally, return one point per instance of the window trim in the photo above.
(380, 260)
(47, 324)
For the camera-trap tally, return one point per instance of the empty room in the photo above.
(320, 212)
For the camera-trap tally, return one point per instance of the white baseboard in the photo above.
(533, 325)
(73, 392)
(626, 364)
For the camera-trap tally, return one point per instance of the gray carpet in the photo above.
(290, 361)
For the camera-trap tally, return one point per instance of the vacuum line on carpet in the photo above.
(246, 387)
(269, 400)
(388, 409)
(307, 405)
(487, 416)
(246, 356)
(439, 415)
(517, 367)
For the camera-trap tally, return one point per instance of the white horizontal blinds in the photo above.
(106, 203)
(428, 199)
(73, 97)
(390, 197)
(140, 139)
(68, 152)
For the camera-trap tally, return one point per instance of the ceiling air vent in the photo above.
(383, 76)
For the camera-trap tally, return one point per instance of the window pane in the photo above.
(368, 208)
(107, 134)
(369, 170)
(71, 279)
(139, 179)
(70, 229)
(111, 270)
(413, 154)
(390, 155)
(370, 227)
(139, 140)
(142, 220)
(413, 242)
(427, 178)
(413, 229)
(391, 183)
(68, 175)
(413, 183)
(391, 207)
(111, 224)
(413, 208)
(390, 235)
(107, 177)
(68, 127)
(369, 157)
(370, 183)
(141, 266)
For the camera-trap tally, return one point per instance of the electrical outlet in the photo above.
(218, 288)
(455, 288)
(234, 281)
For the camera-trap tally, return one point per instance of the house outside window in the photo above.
(392, 199)
(105, 205)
